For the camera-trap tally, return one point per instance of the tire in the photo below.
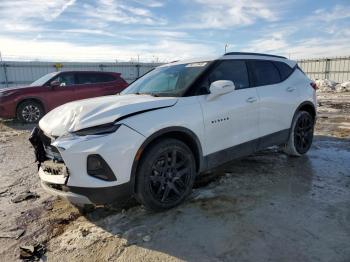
(30, 112)
(301, 134)
(165, 175)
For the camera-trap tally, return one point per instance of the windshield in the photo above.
(170, 80)
(42, 80)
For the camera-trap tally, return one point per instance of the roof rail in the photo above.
(247, 53)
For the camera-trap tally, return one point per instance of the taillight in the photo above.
(314, 86)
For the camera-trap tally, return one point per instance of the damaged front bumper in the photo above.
(63, 170)
(52, 170)
(77, 199)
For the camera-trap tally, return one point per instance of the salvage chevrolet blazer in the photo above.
(173, 123)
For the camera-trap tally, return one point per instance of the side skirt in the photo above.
(223, 156)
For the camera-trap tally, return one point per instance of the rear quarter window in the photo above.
(264, 72)
(106, 78)
(284, 69)
(94, 78)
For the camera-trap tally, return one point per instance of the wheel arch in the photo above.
(308, 107)
(305, 106)
(181, 133)
(35, 99)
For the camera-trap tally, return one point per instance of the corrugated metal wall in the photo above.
(335, 68)
(22, 73)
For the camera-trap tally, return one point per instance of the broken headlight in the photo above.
(98, 130)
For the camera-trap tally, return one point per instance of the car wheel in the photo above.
(30, 112)
(165, 175)
(301, 134)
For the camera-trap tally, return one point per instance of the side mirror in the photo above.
(220, 87)
(54, 84)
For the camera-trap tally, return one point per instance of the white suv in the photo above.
(173, 123)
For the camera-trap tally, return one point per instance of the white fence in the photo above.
(23, 73)
(335, 68)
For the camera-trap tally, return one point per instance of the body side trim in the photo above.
(224, 156)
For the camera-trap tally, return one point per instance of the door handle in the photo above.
(251, 99)
(291, 89)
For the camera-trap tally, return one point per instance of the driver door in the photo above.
(63, 93)
(231, 120)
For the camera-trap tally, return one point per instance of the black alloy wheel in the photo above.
(170, 176)
(165, 175)
(303, 133)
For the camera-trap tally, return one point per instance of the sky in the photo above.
(161, 31)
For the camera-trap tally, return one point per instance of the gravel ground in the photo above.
(266, 207)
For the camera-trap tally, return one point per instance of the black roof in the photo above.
(247, 53)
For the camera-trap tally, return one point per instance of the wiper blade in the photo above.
(154, 94)
(149, 94)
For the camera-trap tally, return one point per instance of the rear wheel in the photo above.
(30, 112)
(301, 134)
(166, 174)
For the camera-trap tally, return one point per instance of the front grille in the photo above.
(54, 168)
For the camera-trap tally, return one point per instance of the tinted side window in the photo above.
(65, 79)
(264, 73)
(86, 78)
(105, 78)
(233, 70)
(93, 78)
(284, 69)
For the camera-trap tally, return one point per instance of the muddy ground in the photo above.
(266, 207)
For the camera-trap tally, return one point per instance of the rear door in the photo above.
(278, 97)
(94, 84)
(232, 119)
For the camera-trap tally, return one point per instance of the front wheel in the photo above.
(30, 112)
(165, 175)
(301, 134)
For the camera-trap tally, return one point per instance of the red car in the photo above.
(30, 103)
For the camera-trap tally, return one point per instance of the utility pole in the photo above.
(226, 46)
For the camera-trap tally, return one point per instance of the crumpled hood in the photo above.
(91, 112)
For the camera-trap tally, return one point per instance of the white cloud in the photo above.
(150, 3)
(223, 14)
(318, 47)
(273, 43)
(338, 12)
(29, 9)
(117, 11)
(25, 15)
(70, 29)
(158, 33)
(321, 46)
(164, 50)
